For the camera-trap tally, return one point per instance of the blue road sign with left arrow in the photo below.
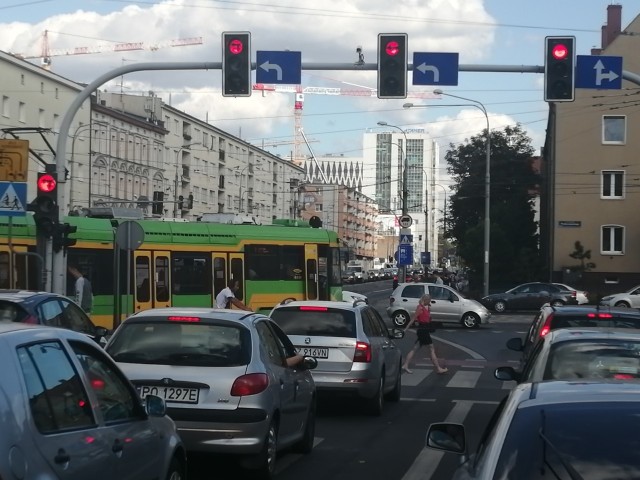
(13, 199)
(599, 72)
(435, 68)
(279, 67)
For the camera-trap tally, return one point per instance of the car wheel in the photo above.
(470, 320)
(400, 318)
(500, 306)
(394, 395)
(376, 404)
(557, 303)
(305, 445)
(176, 470)
(622, 305)
(266, 466)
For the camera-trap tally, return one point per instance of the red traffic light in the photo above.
(392, 48)
(46, 183)
(560, 51)
(236, 46)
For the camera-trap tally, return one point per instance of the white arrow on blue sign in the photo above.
(435, 68)
(599, 72)
(279, 67)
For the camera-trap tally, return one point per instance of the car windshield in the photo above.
(611, 358)
(325, 322)
(599, 440)
(175, 343)
(10, 312)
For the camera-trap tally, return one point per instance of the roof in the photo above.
(585, 309)
(324, 303)
(218, 313)
(590, 333)
(21, 295)
(582, 391)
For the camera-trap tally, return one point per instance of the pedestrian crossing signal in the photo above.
(45, 205)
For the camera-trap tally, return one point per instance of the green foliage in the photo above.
(583, 255)
(514, 255)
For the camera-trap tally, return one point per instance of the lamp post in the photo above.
(241, 203)
(175, 184)
(487, 180)
(405, 192)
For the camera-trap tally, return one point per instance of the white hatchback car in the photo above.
(628, 299)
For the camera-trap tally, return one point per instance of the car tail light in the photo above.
(599, 315)
(313, 309)
(184, 319)
(362, 353)
(574, 294)
(30, 319)
(97, 384)
(250, 384)
(546, 328)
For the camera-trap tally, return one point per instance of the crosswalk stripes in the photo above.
(469, 377)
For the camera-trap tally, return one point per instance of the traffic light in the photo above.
(236, 64)
(61, 236)
(392, 65)
(45, 205)
(559, 71)
(180, 202)
(190, 201)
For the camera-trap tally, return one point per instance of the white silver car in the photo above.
(628, 299)
(582, 296)
(351, 297)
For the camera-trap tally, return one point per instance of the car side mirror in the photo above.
(155, 406)
(515, 344)
(101, 332)
(396, 333)
(449, 437)
(506, 374)
(309, 363)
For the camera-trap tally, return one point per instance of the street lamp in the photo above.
(175, 184)
(487, 181)
(405, 192)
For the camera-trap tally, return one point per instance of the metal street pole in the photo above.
(175, 184)
(487, 179)
(405, 192)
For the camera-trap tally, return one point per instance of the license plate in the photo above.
(171, 394)
(317, 352)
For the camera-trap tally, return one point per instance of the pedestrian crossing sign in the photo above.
(13, 199)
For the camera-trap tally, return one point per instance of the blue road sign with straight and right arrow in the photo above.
(435, 68)
(279, 67)
(599, 72)
(13, 199)
(405, 254)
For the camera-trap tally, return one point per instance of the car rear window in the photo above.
(577, 431)
(325, 322)
(12, 312)
(177, 343)
(604, 321)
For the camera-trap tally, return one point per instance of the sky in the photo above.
(483, 32)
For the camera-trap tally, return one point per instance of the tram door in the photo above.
(236, 273)
(152, 280)
(311, 271)
(13, 268)
(219, 274)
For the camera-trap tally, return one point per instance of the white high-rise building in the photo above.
(383, 160)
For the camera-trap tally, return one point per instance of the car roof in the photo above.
(23, 295)
(591, 333)
(6, 328)
(228, 314)
(324, 303)
(586, 309)
(572, 391)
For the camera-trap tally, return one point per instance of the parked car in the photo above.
(351, 297)
(580, 353)
(360, 275)
(356, 352)
(551, 318)
(628, 299)
(68, 412)
(51, 309)
(582, 296)
(529, 296)
(557, 429)
(447, 305)
(225, 378)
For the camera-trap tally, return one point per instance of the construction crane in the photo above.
(46, 52)
(298, 105)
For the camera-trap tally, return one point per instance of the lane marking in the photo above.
(466, 350)
(414, 379)
(464, 379)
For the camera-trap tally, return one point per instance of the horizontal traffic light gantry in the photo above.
(392, 65)
(559, 69)
(45, 205)
(236, 64)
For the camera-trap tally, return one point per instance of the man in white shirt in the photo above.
(227, 297)
(83, 291)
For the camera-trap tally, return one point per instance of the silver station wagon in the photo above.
(225, 377)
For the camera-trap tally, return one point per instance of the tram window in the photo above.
(143, 285)
(219, 277)
(97, 266)
(237, 274)
(191, 273)
(263, 260)
(5, 270)
(312, 284)
(334, 272)
(292, 262)
(162, 279)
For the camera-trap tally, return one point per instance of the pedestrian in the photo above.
(227, 297)
(82, 289)
(423, 319)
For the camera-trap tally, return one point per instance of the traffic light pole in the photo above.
(59, 266)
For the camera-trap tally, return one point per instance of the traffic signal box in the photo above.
(236, 64)
(45, 205)
(392, 65)
(559, 69)
(61, 236)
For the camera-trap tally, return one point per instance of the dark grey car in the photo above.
(530, 296)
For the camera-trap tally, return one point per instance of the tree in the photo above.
(581, 254)
(514, 252)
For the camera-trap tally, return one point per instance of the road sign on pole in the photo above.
(405, 254)
(435, 68)
(599, 72)
(13, 199)
(14, 160)
(405, 221)
(279, 67)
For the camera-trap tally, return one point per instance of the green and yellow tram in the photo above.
(182, 264)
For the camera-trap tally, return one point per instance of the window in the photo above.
(22, 112)
(270, 345)
(413, 291)
(612, 184)
(612, 242)
(5, 106)
(614, 129)
(191, 274)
